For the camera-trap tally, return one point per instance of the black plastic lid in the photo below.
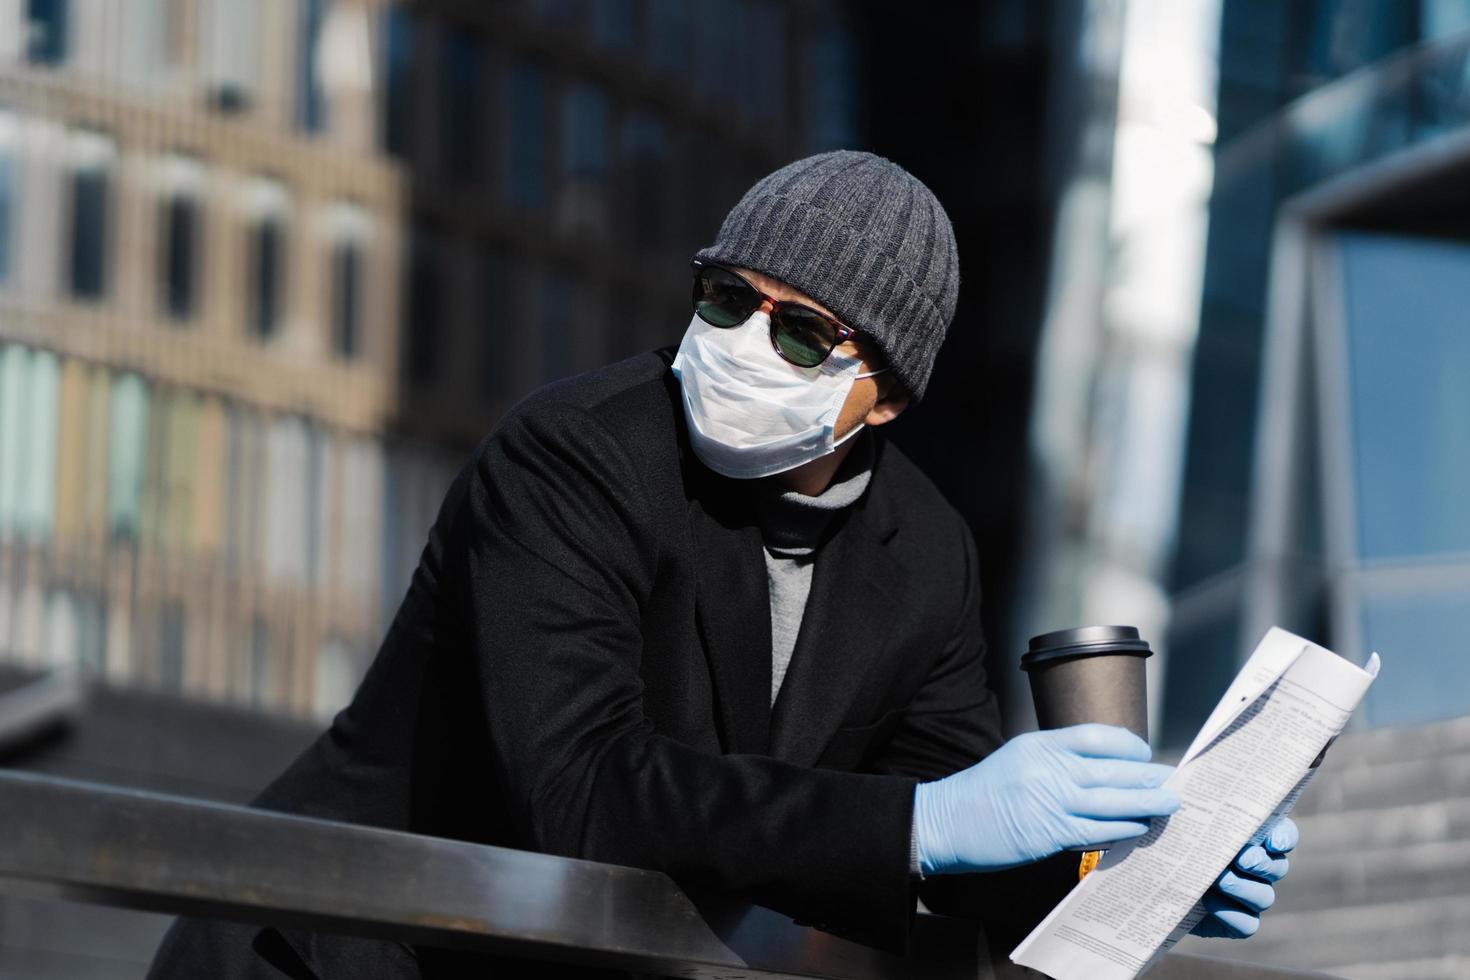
(1084, 641)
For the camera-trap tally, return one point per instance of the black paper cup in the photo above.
(1089, 674)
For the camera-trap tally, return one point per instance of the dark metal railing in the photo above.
(141, 850)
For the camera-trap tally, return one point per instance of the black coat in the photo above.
(582, 666)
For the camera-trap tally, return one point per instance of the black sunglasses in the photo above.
(801, 335)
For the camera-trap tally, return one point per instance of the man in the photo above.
(691, 613)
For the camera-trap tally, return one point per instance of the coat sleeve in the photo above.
(554, 556)
(953, 720)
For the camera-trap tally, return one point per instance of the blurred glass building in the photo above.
(269, 268)
(1254, 409)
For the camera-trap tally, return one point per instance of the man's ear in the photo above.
(893, 398)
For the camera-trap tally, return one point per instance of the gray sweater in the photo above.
(792, 527)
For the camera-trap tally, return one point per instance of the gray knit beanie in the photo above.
(862, 236)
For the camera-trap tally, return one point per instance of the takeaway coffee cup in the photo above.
(1091, 673)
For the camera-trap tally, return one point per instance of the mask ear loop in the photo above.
(871, 374)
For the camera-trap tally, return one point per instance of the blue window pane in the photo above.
(310, 106)
(1408, 357)
(719, 49)
(88, 233)
(646, 149)
(267, 271)
(424, 309)
(561, 11)
(180, 247)
(499, 332)
(1442, 18)
(831, 76)
(763, 86)
(127, 448)
(46, 31)
(613, 23)
(669, 23)
(1203, 651)
(584, 131)
(462, 101)
(527, 183)
(1426, 674)
(7, 212)
(558, 302)
(346, 299)
(399, 29)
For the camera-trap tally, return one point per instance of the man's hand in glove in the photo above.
(1041, 792)
(1244, 891)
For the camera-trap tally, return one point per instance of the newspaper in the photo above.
(1247, 767)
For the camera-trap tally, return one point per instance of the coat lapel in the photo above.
(855, 586)
(733, 609)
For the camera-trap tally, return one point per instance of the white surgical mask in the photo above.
(752, 414)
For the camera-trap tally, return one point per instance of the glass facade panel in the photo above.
(1425, 642)
(1203, 646)
(14, 431)
(89, 203)
(232, 58)
(584, 139)
(127, 449)
(830, 77)
(36, 510)
(266, 274)
(499, 337)
(336, 677)
(46, 31)
(646, 149)
(614, 23)
(1409, 357)
(669, 35)
(763, 80)
(311, 107)
(288, 497)
(399, 38)
(423, 308)
(1443, 18)
(719, 49)
(346, 299)
(561, 11)
(261, 661)
(7, 209)
(462, 102)
(181, 241)
(526, 181)
(171, 647)
(558, 325)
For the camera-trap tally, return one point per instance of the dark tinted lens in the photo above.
(722, 298)
(804, 336)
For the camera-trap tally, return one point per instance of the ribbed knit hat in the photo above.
(863, 237)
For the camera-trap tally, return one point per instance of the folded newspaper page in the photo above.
(1246, 768)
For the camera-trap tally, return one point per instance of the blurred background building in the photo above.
(270, 268)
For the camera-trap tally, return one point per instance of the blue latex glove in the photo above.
(1235, 902)
(1041, 792)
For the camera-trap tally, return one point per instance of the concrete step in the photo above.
(1333, 939)
(1333, 878)
(1348, 783)
(1396, 826)
(1437, 968)
(1422, 741)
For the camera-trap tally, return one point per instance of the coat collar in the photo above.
(855, 584)
(733, 611)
